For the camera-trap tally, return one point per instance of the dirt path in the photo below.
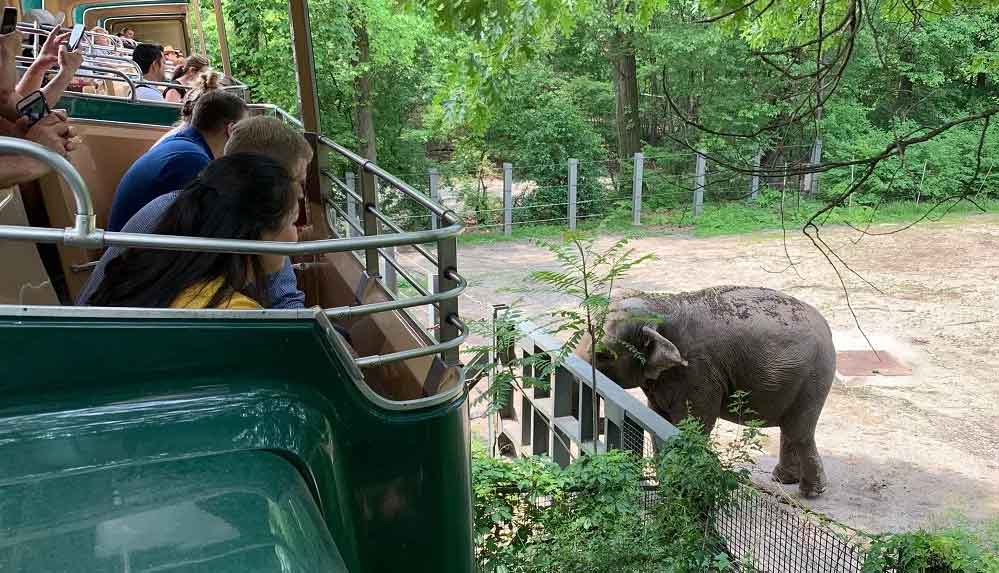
(898, 451)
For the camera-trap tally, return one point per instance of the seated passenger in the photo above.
(52, 131)
(172, 164)
(241, 196)
(52, 51)
(264, 135)
(188, 73)
(206, 82)
(150, 60)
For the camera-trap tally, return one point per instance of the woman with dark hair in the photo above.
(188, 73)
(240, 196)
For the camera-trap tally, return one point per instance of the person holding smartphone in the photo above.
(53, 51)
(52, 131)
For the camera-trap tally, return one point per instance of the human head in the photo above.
(274, 138)
(216, 112)
(128, 33)
(191, 67)
(150, 60)
(100, 36)
(207, 81)
(240, 196)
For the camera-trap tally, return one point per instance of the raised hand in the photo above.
(51, 49)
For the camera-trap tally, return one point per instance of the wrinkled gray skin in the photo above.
(701, 347)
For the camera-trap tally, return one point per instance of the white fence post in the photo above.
(754, 184)
(507, 199)
(699, 177)
(435, 193)
(813, 189)
(351, 207)
(636, 190)
(573, 171)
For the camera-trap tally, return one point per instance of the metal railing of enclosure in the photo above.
(451, 330)
(759, 527)
(558, 421)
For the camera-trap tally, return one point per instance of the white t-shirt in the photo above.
(148, 93)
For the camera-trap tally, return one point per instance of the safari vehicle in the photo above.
(211, 440)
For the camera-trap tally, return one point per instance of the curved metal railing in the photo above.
(85, 234)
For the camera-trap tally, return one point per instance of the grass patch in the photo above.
(732, 219)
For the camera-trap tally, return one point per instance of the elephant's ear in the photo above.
(662, 354)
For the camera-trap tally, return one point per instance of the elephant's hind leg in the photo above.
(788, 469)
(813, 476)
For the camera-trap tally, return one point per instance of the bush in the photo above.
(597, 518)
(954, 550)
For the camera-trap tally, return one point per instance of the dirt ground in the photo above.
(900, 452)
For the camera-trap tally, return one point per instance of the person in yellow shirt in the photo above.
(240, 196)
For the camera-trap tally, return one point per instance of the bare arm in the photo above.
(15, 170)
(47, 57)
(9, 44)
(69, 63)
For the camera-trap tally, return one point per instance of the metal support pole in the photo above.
(202, 45)
(699, 177)
(507, 199)
(754, 184)
(351, 206)
(573, 172)
(636, 190)
(223, 42)
(389, 276)
(369, 193)
(433, 287)
(435, 195)
(447, 265)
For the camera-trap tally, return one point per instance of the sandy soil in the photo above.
(899, 452)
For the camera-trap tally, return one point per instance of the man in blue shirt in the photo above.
(266, 135)
(172, 164)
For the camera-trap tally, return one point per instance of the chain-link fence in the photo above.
(765, 534)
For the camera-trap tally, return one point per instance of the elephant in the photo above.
(690, 352)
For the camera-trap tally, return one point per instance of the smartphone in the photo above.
(75, 37)
(33, 106)
(9, 20)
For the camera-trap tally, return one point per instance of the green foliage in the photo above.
(953, 550)
(592, 516)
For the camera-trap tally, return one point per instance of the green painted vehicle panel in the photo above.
(107, 109)
(240, 512)
(88, 394)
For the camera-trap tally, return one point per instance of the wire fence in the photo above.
(761, 531)
(503, 198)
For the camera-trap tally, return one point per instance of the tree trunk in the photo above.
(627, 119)
(364, 124)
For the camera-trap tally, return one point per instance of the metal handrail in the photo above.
(85, 222)
(124, 77)
(85, 234)
(367, 165)
(378, 214)
(455, 342)
(427, 299)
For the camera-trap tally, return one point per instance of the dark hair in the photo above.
(216, 108)
(239, 196)
(146, 55)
